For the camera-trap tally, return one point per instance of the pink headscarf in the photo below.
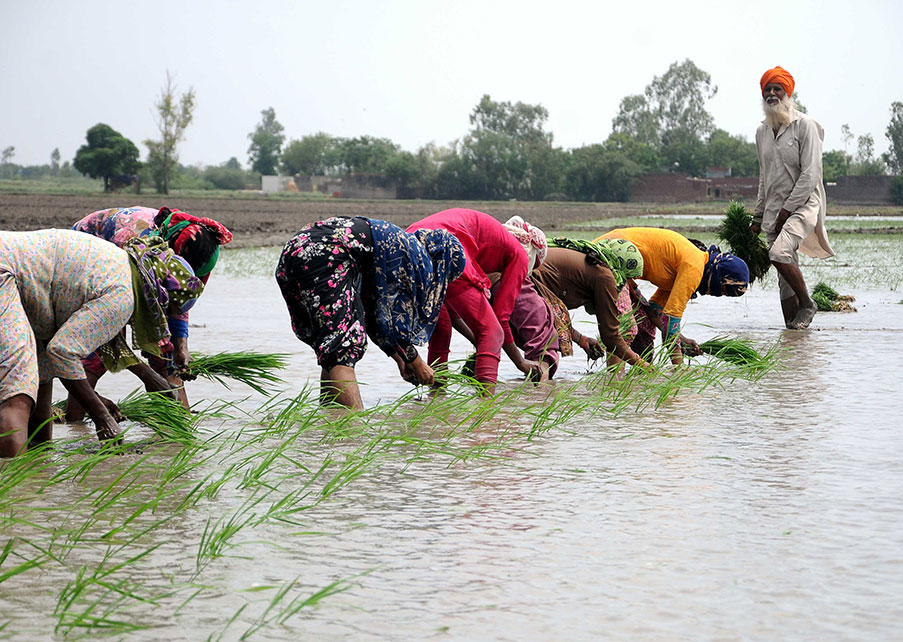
(532, 238)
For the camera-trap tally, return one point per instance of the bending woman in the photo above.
(489, 248)
(580, 278)
(195, 239)
(62, 296)
(681, 270)
(345, 278)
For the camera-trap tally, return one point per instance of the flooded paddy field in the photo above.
(711, 507)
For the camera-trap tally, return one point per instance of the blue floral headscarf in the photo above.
(411, 275)
(724, 274)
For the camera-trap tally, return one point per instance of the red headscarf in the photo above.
(168, 219)
(780, 76)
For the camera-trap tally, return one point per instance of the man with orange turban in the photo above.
(790, 207)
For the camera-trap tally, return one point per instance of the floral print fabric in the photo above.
(62, 294)
(326, 268)
(319, 274)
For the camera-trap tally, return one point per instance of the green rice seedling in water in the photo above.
(830, 300)
(253, 369)
(742, 242)
(168, 418)
(738, 352)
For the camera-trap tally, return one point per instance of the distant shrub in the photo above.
(226, 178)
(896, 190)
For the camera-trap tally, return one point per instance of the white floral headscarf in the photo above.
(532, 238)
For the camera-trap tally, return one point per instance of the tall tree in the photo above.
(510, 151)
(107, 153)
(596, 173)
(6, 157)
(725, 150)
(670, 115)
(55, 160)
(894, 133)
(366, 154)
(313, 155)
(174, 114)
(266, 143)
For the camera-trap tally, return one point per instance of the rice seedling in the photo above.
(830, 300)
(168, 418)
(742, 242)
(253, 369)
(739, 352)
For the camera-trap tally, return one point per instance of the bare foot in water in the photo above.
(803, 317)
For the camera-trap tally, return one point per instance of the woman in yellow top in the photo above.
(681, 270)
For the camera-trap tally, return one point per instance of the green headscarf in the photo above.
(159, 277)
(619, 255)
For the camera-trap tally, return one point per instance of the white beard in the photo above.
(779, 114)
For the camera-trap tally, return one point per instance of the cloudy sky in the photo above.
(412, 70)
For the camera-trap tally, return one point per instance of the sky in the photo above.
(412, 71)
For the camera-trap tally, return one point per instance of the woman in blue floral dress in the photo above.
(346, 278)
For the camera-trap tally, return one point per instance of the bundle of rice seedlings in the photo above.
(829, 300)
(737, 351)
(167, 417)
(742, 242)
(250, 368)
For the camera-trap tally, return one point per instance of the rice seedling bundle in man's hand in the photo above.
(829, 300)
(250, 368)
(742, 242)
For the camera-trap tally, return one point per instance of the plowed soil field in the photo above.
(259, 221)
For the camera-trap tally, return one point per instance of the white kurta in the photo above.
(790, 177)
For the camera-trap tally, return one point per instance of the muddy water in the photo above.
(769, 510)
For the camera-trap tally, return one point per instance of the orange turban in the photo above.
(780, 76)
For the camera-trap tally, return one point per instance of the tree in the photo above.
(725, 150)
(509, 151)
(598, 174)
(671, 108)
(865, 163)
(642, 154)
(55, 160)
(229, 175)
(896, 190)
(313, 155)
(366, 154)
(174, 114)
(107, 153)
(835, 163)
(403, 169)
(266, 143)
(6, 157)
(894, 133)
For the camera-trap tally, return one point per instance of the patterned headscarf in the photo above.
(181, 230)
(411, 273)
(780, 76)
(532, 238)
(728, 274)
(619, 255)
(160, 277)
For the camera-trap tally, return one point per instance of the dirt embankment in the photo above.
(261, 221)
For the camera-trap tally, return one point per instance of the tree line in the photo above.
(506, 154)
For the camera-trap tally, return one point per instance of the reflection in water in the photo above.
(767, 510)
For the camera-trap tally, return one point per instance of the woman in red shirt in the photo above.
(489, 247)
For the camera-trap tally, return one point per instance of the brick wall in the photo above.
(860, 189)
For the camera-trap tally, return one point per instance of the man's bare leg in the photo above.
(338, 385)
(806, 307)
